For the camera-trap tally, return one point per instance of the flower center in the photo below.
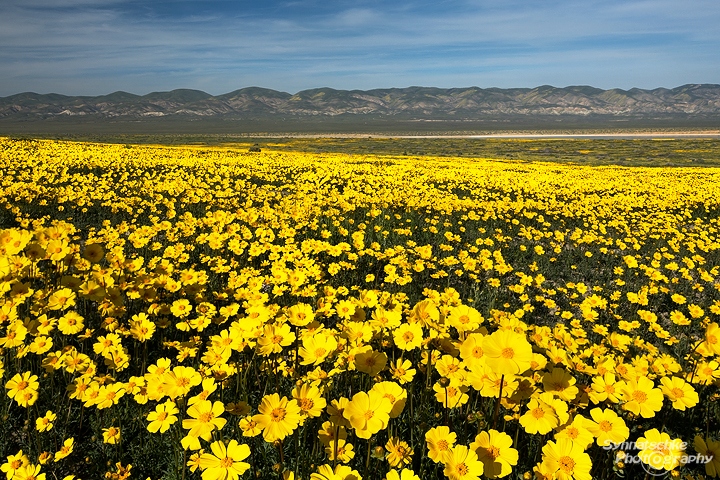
(507, 352)
(278, 414)
(639, 396)
(605, 426)
(537, 412)
(572, 432)
(206, 417)
(567, 464)
(662, 449)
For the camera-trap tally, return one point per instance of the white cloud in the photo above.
(96, 46)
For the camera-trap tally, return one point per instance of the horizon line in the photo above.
(364, 90)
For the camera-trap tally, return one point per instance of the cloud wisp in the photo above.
(98, 46)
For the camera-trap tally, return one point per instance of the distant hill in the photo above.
(576, 103)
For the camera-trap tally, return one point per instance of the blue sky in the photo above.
(94, 47)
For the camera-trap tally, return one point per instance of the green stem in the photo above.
(497, 404)
(367, 458)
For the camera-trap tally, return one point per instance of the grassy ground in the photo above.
(646, 151)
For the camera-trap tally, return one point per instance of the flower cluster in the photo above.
(218, 314)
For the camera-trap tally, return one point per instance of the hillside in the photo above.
(456, 108)
(413, 102)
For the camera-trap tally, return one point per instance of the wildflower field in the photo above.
(214, 313)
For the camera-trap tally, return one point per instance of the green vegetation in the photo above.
(627, 151)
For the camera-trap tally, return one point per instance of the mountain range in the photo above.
(380, 110)
(702, 100)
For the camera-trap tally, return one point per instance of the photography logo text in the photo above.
(656, 458)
